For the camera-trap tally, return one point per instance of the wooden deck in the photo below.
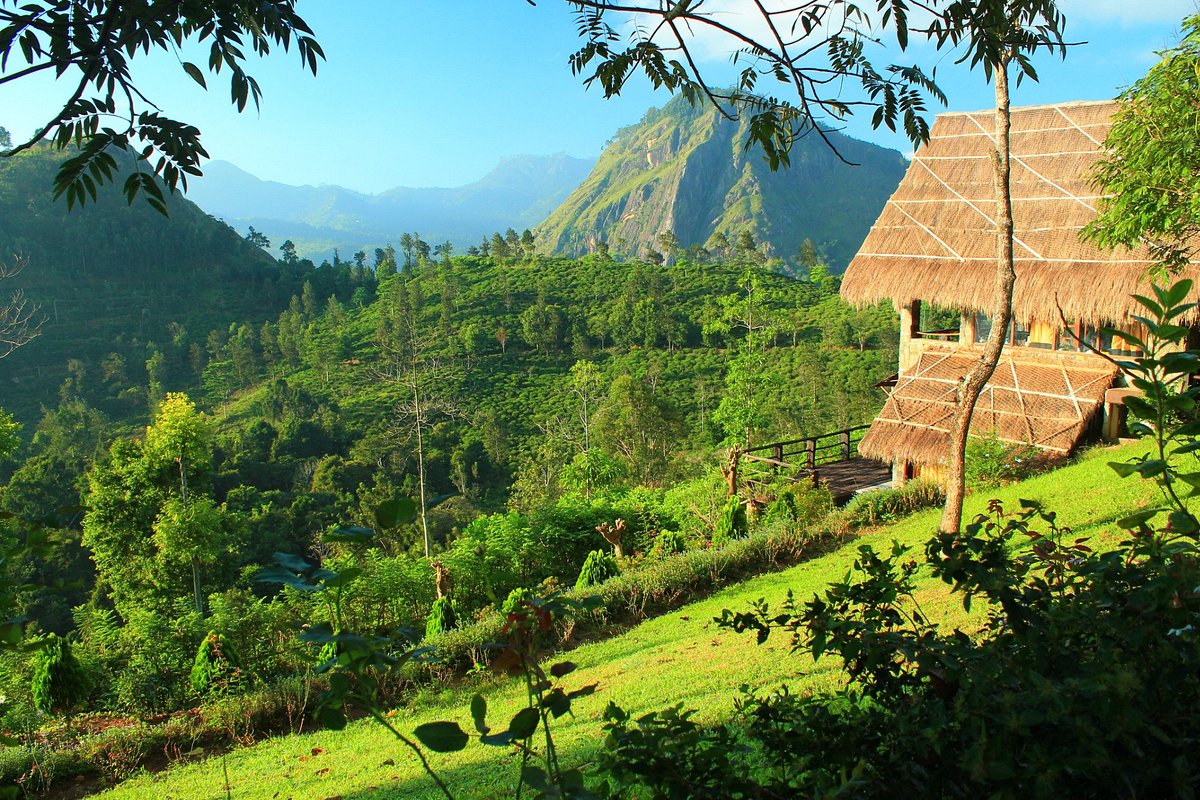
(832, 459)
(845, 478)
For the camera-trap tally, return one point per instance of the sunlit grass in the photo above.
(679, 658)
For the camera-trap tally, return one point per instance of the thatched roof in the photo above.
(935, 239)
(1033, 398)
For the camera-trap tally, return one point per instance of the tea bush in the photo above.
(882, 506)
(669, 543)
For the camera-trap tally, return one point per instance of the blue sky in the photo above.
(435, 92)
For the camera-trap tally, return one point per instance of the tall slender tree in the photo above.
(425, 377)
(998, 36)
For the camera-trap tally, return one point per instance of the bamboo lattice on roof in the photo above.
(1033, 398)
(935, 239)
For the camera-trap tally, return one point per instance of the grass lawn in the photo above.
(679, 658)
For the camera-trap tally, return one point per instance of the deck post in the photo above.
(810, 448)
(845, 438)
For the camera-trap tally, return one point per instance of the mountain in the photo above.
(519, 193)
(109, 279)
(685, 170)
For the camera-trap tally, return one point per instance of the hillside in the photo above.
(678, 658)
(685, 170)
(111, 279)
(519, 193)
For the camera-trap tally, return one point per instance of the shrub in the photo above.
(441, 618)
(732, 523)
(992, 462)
(597, 568)
(59, 681)
(693, 507)
(215, 670)
(652, 587)
(798, 503)
(158, 653)
(886, 505)
(514, 600)
(260, 632)
(1085, 660)
(669, 543)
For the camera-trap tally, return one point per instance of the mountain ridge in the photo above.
(685, 170)
(518, 192)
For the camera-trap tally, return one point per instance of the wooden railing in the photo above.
(831, 459)
(810, 452)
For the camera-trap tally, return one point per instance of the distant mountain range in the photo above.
(681, 169)
(686, 170)
(519, 193)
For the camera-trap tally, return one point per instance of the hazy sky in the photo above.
(435, 92)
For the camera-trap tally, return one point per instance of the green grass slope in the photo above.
(679, 658)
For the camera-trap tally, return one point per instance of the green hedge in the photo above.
(653, 587)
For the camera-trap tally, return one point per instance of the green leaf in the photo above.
(293, 562)
(331, 717)
(288, 578)
(343, 578)
(1151, 467)
(524, 724)
(1180, 362)
(1147, 303)
(534, 777)
(1178, 292)
(562, 668)
(195, 74)
(351, 535)
(479, 714)
(1181, 522)
(1139, 519)
(442, 737)
(395, 512)
(1122, 469)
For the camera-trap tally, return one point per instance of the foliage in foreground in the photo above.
(1080, 682)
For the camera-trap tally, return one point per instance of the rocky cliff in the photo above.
(686, 170)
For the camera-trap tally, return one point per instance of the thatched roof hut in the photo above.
(935, 240)
(1033, 398)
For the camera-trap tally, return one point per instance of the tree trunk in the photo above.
(196, 596)
(421, 471)
(974, 381)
